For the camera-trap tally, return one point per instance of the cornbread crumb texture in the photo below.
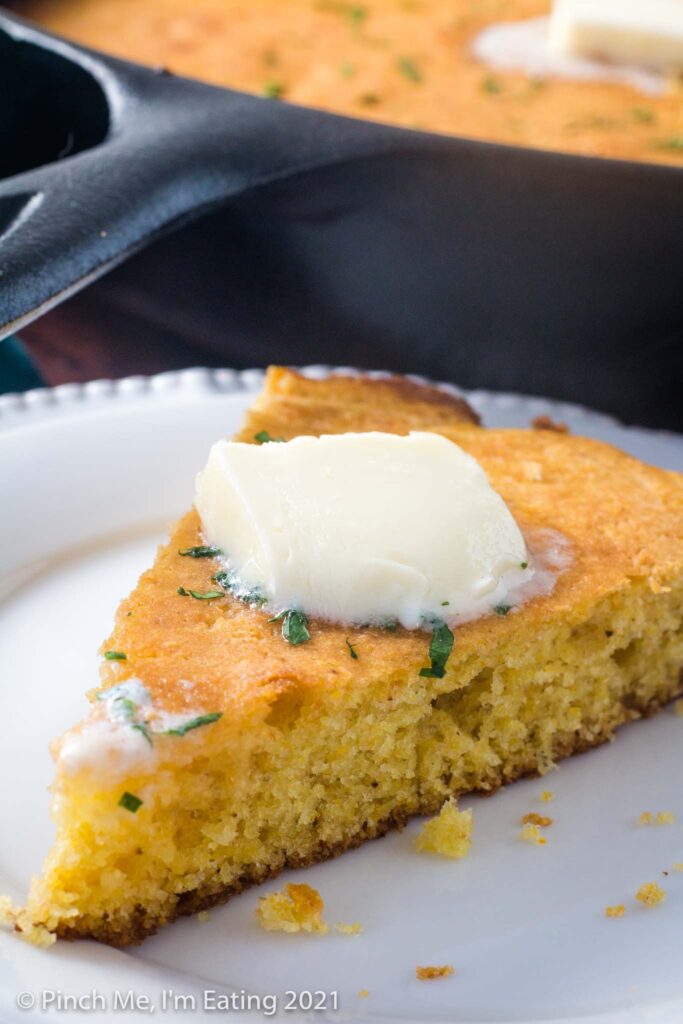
(547, 423)
(350, 929)
(537, 819)
(660, 818)
(532, 834)
(651, 894)
(298, 909)
(19, 921)
(448, 834)
(618, 910)
(430, 973)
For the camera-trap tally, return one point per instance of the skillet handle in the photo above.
(116, 155)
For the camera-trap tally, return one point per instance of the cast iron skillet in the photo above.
(265, 231)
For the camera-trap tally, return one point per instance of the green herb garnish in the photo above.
(444, 603)
(347, 69)
(351, 648)
(491, 85)
(502, 609)
(273, 90)
(440, 649)
(115, 656)
(524, 565)
(130, 802)
(357, 15)
(675, 143)
(263, 437)
(127, 710)
(410, 69)
(294, 626)
(201, 552)
(230, 581)
(194, 723)
(210, 595)
(643, 115)
(388, 624)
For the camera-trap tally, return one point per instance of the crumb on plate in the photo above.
(449, 833)
(203, 916)
(547, 795)
(678, 707)
(364, 993)
(645, 818)
(665, 818)
(545, 422)
(532, 834)
(678, 866)
(536, 819)
(298, 909)
(350, 929)
(651, 894)
(429, 973)
(618, 910)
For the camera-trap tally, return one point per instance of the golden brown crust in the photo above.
(292, 404)
(139, 927)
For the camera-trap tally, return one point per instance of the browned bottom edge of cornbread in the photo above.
(139, 927)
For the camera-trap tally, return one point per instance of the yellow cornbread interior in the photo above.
(316, 751)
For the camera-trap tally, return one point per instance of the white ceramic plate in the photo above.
(89, 477)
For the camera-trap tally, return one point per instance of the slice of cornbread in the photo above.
(315, 750)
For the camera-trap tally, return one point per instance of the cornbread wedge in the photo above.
(274, 755)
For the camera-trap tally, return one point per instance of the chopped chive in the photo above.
(273, 90)
(524, 565)
(115, 656)
(230, 582)
(491, 85)
(410, 69)
(201, 552)
(357, 15)
(444, 603)
(502, 609)
(643, 115)
(389, 625)
(294, 626)
(675, 143)
(351, 648)
(210, 595)
(194, 723)
(142, 728)
(440, 649)
(130, 802)
(263, 437)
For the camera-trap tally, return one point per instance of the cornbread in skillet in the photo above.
(316, 751)
(406, 62)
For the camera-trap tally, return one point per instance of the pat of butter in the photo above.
(640, 32)
(362, 527)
